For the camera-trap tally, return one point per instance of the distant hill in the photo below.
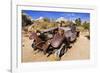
(61, 19)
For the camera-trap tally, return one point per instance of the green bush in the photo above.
(86, 25)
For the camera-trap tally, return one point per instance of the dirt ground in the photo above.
(80, 51)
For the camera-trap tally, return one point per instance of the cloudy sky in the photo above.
(55, 15)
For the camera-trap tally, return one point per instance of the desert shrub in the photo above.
(86, 25)
(50, 25)
(46, 19)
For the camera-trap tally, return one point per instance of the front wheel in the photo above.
(63, 50)
(60, 52)
(33, 46)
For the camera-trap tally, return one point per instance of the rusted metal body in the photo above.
(54, 39)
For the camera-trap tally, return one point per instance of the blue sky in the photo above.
(55, 15)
